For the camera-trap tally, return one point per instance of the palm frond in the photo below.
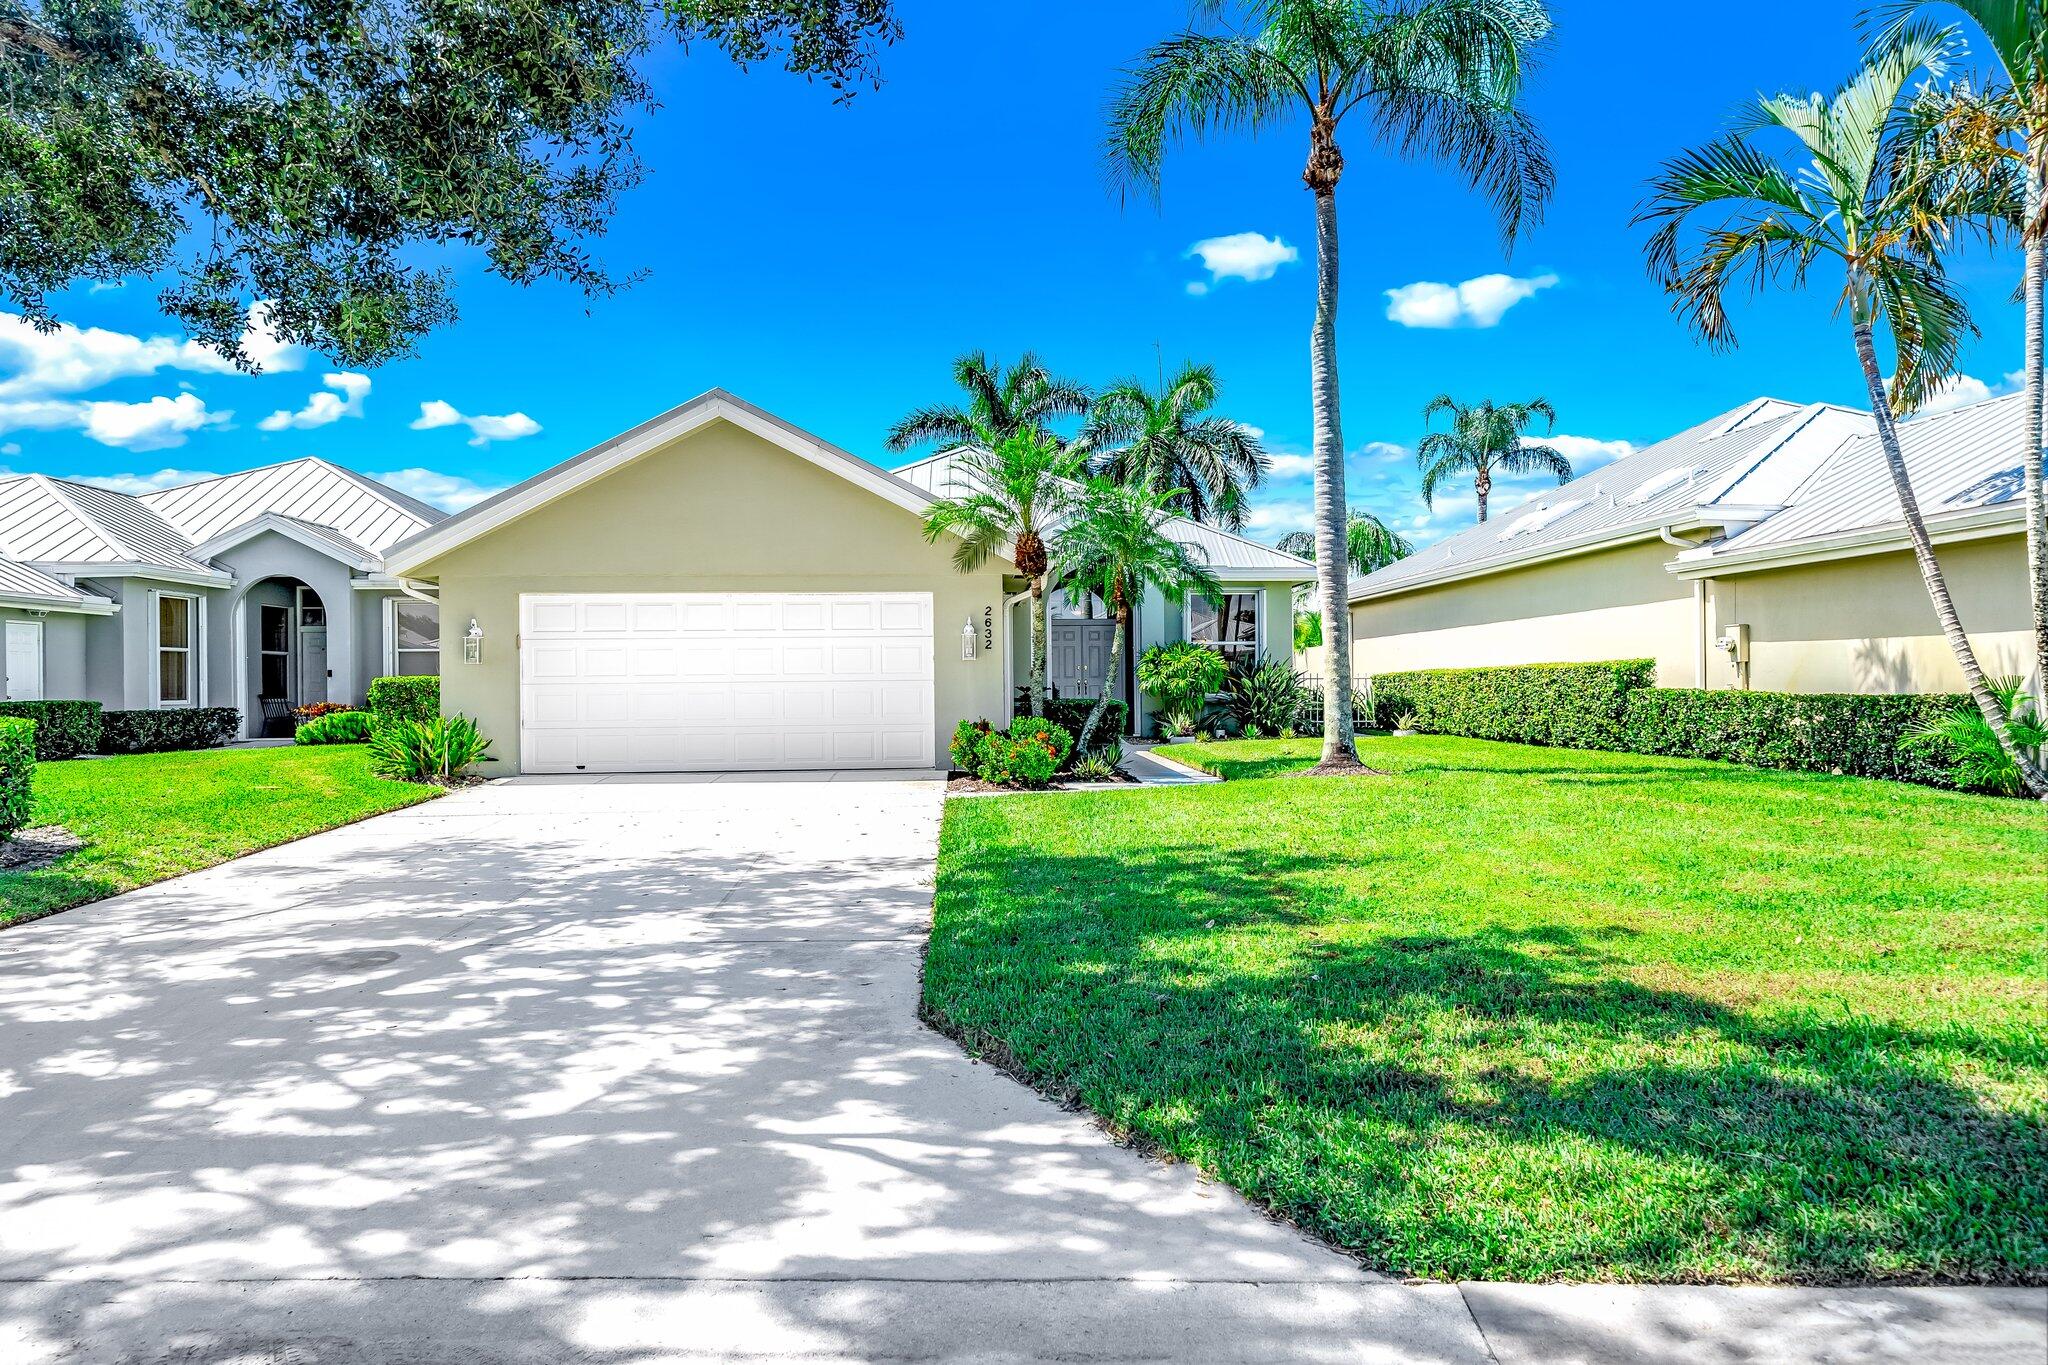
(938, 423)
(1928, 321)
(1192, 86)
(1534, 458)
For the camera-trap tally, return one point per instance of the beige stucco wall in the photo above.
(719, 510)
(1616, 604)
(1866, 625)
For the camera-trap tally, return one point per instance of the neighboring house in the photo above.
(716, 589)
(263, 591)
(1761, 549)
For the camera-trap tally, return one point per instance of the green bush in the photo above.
(1963, 740)
(153, 732)
(1027, 755)
(336, 727)
(436, 750)
(414, 699)
(64, 729)
(1071, 714)
(1182, 676)
(1267, 698)
(1828, 732)
(1575, 706)
(17, 773)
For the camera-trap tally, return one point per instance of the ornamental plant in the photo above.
(1182, 676)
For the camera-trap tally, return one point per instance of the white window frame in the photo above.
(391, 633)
(1258, 596)
(287, 653)
(42, 661)
(194, 650)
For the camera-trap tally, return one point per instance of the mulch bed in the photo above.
(38, 847)
(960, 784)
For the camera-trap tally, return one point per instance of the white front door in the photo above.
(312, 665)
(676, 682)
(24, 662)
(1077, 657)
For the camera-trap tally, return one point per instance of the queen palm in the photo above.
(1000, 404)
(2007, 127)
(1849, 204)
(1116, 547)
(1369, 543)
(1433, 79)
(1169, 438)
(1486, 438)
(1010, 494)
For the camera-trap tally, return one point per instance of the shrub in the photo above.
(17, 773)
(1576, 706)
(1829, 732)
(1267, 698)
(152, 732)
(336, 727)
(64, 729)
(1182, 675)
(1963, 739)
(968, 738)
(437, 750)
(1026, 755)
(1071, 714)
(414, 699)
(1103, 765)
(315, 709)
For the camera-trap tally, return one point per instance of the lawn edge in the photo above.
(436, 794)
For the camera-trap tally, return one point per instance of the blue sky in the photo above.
(828, 261)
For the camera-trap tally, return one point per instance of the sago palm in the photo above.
(1437, 80)
(1369, 543)
(1117, 547)
(1485, 438)
(1999, 128)
(1170, 438)
(1730, 213)
(1000, 403)
(1010, 495)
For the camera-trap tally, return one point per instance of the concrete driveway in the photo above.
(629, 1071)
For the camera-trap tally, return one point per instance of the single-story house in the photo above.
(717, 589)
(264, 591)
(1763, 548)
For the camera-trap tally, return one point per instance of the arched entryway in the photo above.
(285, 652)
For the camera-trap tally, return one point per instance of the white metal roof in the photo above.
(1227, 555)
(1734, 469)
(51, 521)
(25, 585)
(1965, 465)
(363, 511)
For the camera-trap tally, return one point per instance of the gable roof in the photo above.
(311, 534)
(1225, 553)
(53, 521)
(23, 585)
(1732, 471)
(628, 446)
(1967, 473)
(365, 513)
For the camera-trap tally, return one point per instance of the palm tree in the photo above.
(1010, 496)
(1369, 543)
(1116, 547)
(1163, 439)
(1432, 79)
(1485, 437)
(2004, 126)
(1853, 204)
(1000, 404)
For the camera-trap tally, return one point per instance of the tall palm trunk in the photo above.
(1339, 751)
(1483, 484)
(1038, 611)
(2031, 777)
(2036, 239)
(1116, 659)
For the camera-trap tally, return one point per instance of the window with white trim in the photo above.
(1230, 627)
(415, 635)
(177, 648)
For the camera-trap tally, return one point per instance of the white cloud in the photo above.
(153, 424)
(143, 483)
(1961, 390)
(1291, 466)
(72, 359)
(1248, 256)
(482, 429)
(1479, 302)
(1265, 520)
(11, 448)
(1585, 452)
(450, 492)
(344, 399)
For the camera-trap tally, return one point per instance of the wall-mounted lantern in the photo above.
(473, 643)
(967, 642)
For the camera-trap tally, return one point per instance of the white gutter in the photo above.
(1975, 524)
(405, 585)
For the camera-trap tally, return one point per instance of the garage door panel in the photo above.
(726, 681)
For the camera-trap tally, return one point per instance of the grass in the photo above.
(1531, 1014)
(146, 817)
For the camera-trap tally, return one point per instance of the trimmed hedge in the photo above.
(336, 727)
(1071, 714)
(415, 699)
(1828, 732)
(1574, 706)
(17, 773)
(155, 732)
(64, 729)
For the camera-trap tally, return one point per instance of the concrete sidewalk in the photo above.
(628, 1070)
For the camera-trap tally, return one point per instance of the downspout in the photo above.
(405, 585)
(1699, 612)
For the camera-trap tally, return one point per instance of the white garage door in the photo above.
(678, 682)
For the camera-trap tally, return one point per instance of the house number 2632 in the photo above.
(988, 628)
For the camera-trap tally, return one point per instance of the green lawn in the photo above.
(146, 817)
(1532, 1014)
